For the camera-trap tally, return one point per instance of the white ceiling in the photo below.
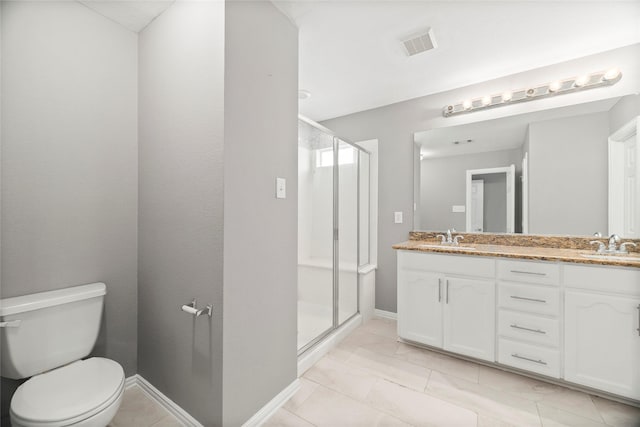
(498, 134)
(351, 58)
(134, 15)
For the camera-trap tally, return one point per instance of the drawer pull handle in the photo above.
(528, 272)
(517, 356)
(528, 299)
(538, 331)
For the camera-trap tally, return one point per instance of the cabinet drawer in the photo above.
(527, 327)
(529, 272)
(603, 278)
(529, 298)
(447, 264)
(529, 357)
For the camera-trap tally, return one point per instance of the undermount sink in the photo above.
(436, 246)
(625, 257)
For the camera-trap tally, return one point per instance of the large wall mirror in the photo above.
(560, 162)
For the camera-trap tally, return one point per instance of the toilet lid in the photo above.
(77, 390)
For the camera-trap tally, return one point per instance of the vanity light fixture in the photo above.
(558, 87)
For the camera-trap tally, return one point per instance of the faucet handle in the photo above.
(601, 246)
(623, 247)
(444, 239)
(458, 237)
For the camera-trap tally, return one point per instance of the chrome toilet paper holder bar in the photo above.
(192, 309)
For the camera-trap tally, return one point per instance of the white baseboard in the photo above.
(173, 408)
(385, 314)
(274, 404)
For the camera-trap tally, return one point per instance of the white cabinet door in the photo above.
(602, 342)
(469, 317)
(419, 307)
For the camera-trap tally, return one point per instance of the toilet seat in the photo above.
(68, 395)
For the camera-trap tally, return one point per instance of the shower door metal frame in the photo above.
(336, 233)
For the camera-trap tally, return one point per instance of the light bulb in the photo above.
(555, 86)
(506, 97)
(486, 100)
(466, 104)
(581, 81)
(612, 74)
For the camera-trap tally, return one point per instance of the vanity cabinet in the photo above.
(447, 302)
(602, 328)
(529, 316)
(575, 322)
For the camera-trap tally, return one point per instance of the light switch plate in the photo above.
(458, 208)
(281, 188)
(397, 217)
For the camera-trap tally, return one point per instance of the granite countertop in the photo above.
(522, 252)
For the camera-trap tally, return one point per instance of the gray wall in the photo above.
(181, 122)
(261, 139)
(443, 184)
(568, 175)
(625, 109)
(495, 202)
(69, 161)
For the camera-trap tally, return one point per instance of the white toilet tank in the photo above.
(43, 331)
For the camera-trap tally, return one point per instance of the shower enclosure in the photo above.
(333, 209)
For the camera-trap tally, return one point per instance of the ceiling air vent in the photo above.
(420, 43)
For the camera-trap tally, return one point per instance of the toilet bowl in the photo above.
(44, 337)
(84, 393)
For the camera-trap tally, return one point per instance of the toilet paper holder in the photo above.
(191, 308)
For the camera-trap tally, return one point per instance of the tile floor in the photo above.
(139, 410)
(370, 380)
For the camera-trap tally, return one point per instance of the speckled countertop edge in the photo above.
(521, 252)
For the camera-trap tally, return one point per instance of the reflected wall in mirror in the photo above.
(561, 164)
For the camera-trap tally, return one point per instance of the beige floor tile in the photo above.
(168, 421)
(438, 362)
(284, 418)
(485, 421)
(417, 408)
(326, 407)
(385, 327)
(554, 417)
(483, 400)
(390, 368)
(137, 410)
(552, 395)
(617, 414)
(341, 377)
(361, 338)
(306, 389)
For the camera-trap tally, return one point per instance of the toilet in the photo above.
(44, 337)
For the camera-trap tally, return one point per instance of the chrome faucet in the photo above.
(614, 239)
(449, 239)
(613, 247)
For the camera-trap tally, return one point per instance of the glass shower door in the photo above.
(315, 234)
(347, 223)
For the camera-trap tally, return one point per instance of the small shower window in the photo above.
(324, 157)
